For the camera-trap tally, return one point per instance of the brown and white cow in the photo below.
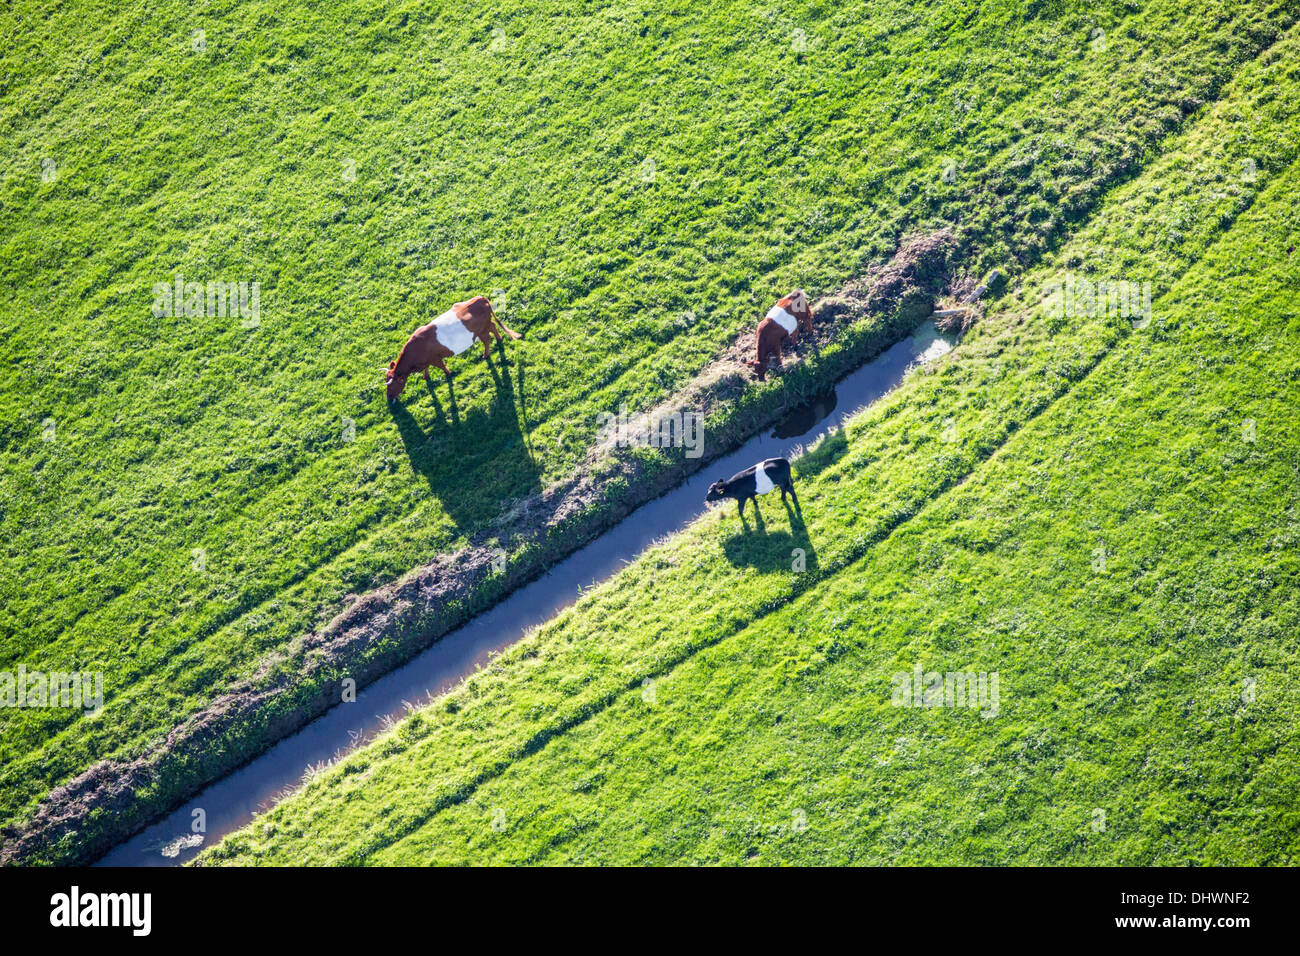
(781, 324)
(449, 334)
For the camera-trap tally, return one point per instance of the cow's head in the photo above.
(717, 491)
(393, 383)
(800, 310)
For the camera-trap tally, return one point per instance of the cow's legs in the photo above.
(760, 360)
(741, 503)
(788, 485)
(442, 365)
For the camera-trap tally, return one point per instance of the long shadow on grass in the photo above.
(767, 550)
(476, 459)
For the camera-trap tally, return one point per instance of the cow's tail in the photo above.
(495, 318)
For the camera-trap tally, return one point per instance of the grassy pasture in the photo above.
(712, 705)
(181, 497)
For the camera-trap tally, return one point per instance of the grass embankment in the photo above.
(1103, 516)
(182, 497)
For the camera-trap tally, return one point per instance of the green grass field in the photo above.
(1104, 516)
(181, 498)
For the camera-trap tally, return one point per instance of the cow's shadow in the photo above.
(474, 456)
(801, 420)
(772, 550)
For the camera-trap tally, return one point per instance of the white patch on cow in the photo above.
(783, 318)
(452, 333)
(762, 483)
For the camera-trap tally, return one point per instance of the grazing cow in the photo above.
(783, 321)
(754, 481)
(449, 334)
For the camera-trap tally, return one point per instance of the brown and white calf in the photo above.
(781, 324)
(449, 334)
(755, 480)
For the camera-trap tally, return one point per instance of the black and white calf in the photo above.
(754, 481)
